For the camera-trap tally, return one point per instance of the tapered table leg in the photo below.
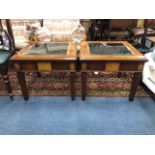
(7, 85)
(83, 85)
(72, 84)
(137, 76)
(22, 83)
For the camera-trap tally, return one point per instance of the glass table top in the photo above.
(108, 49)
(48, 49)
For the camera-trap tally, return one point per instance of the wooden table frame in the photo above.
(111, 63)
(45, 63)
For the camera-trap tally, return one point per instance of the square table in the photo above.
(46, 57)
(111, 56)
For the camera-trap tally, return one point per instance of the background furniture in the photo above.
(119, 29)
(106, 29)
(60, 29)
(111, 56)
(96, 29)
(6, 51)
(139, 34)
(147, 45)
(150, 41)
(64, 29)
(17, 30)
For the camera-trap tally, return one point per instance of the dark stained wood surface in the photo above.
(71, 55)
(85, 55)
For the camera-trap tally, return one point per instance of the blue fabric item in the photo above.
(61, 116)
(4, 56)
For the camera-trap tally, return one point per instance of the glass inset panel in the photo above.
(108, 49)
(48, 49)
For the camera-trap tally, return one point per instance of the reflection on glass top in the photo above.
(48, 49)
(108, 49)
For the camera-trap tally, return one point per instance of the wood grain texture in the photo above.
(28, 65)
(84, 66)
(21, 56)
(140, 66)
(111, 67)
(44, 66)
(17, 66)
(128, 66)
(72, 66)
(96, 66)
(66, 61)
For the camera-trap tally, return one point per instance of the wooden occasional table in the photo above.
(46, 57)
(111, 56)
